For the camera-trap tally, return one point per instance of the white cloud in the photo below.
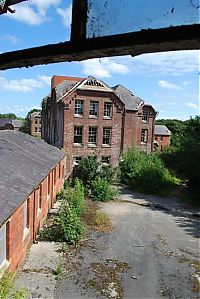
(168, 85)
(33, 12)
(10, 38)
(103, 68)
(66, 15)
(192, 105)
(24, 85)
(45, 79)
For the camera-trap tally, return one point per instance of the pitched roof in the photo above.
(131, 101)
(64, 87)
(25, 162)
(162, 130)
(56, 80)
(15, 122)
(35, 114)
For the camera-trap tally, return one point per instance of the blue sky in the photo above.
(169, 81)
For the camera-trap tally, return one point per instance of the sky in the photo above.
(169, 81)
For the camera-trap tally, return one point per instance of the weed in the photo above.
(58, 272)
(101, 190)
(7, 289)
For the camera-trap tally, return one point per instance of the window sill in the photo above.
(145, 121)
(26, 233)
(143, 143)
(106, 145)
(107, 117)
(78, 145)
(93, 116)
(92, 145)
(78, 116)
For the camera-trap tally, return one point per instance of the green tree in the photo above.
(8, 115)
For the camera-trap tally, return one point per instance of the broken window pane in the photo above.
(123, 16)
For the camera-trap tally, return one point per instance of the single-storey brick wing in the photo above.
(31, 173)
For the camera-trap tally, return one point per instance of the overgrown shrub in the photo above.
(107, 173)
(101, 190)
(71, 224)
(7, 289)
(146, 173)
(87, 170)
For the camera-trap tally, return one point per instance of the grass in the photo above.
(8, 290)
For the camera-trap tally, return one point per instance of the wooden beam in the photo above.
(145, 41)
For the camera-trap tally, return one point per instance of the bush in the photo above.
(87, 170)
(101, 190)
(107, 173)
(7, 289)
(71, 224)
(146, 173)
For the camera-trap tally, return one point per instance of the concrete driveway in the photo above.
(151, 252)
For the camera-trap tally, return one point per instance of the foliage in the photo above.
(58, 272)
(101, 190)
(71, 224)
(87, 170)
(146, 173)
(107, 173)
(7, 289)
(102, 222)
(189, 154)
(8, 115)
(176, 127)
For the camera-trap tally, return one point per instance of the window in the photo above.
(36, 129)
(94, 108)
(145, 115)
(2, 244)
(161, 138)
(78, 134)
(40, 129)
(92, 135)
(76, 160)
(144, 135)
(55, 176)
(63, 171)
(49, 183)
(78, 107)
(107, 136)
(39, 199)
(26, 213)
(36, 121)
(59, 171)
(108, 109)
(106, 159)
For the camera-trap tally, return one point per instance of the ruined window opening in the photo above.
(78, 135)
(78, 107)
(92, 139)
(107, 136)
(94, 108)
(144, 135)
(107, 109)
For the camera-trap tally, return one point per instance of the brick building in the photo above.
(87, 117)
(10, 124)
(36, 123)
(31, 173)
(162, 137)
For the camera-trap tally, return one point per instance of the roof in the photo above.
(15, 122)
(131, 101)
(162, 130)
(56, 80)
(25, 162)
(64, 87)
(35, 114)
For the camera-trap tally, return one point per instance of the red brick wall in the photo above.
(18, 242)
(163, 141)
(100, 122)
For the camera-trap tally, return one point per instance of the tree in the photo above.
(8, 115)
(189, 153)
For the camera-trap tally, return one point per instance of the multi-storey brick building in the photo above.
(162, 137)
(87, 117)
(31, 173)
(35, 123)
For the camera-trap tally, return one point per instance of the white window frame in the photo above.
(107, 111)
(76, 160)
(78, 109)
(92, 136)
(106, 160)
(107, 133)
(78, 131)
(145, 115)
(2, 245)
(144, 136)
(94, 108)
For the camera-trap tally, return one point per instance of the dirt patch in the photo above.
(107, 279)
